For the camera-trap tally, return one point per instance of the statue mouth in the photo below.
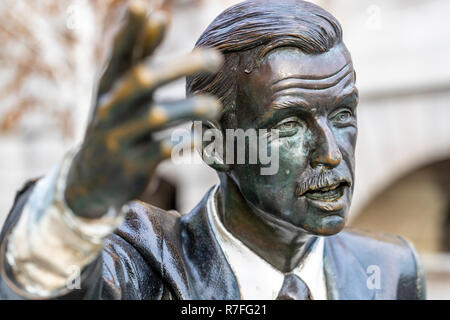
(327, 193)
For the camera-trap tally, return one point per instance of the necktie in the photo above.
(293, 288)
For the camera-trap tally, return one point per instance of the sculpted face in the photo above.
(311, 100)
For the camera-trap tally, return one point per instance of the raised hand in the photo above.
(120, 150)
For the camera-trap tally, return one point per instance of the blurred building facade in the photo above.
(400, 51)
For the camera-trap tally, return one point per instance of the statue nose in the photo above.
(326, 152)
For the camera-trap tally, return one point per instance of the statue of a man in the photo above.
(285, 69)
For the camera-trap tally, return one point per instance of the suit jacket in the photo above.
(157, 254)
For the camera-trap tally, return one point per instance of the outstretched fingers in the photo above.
(162, 116)
(138, 37)
(139, 84)
(151, 36)
(198, 61)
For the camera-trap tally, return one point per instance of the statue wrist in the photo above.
(50, 242)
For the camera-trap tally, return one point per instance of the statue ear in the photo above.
(212, 146)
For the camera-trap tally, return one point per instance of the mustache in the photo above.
(323, 179)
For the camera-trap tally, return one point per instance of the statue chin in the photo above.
(329, 226)
(312, 221)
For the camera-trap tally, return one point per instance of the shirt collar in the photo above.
(256, 278)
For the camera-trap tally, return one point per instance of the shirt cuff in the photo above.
(50, 245)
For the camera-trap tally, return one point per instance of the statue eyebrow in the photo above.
(290, 103)
(297, 102)
(312, 82)
(351, 95)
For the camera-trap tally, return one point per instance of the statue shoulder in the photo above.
(145, 219)
(373, 239)
(393, 254)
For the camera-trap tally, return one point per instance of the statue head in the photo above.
(286, 68)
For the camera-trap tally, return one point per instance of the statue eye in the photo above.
(288, 127)
(342, 116)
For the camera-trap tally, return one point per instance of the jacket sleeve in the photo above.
(119, 272)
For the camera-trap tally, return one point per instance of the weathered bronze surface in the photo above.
(286, 68)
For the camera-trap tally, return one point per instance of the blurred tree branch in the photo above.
(39, 61)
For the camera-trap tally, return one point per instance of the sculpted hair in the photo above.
(257, 27)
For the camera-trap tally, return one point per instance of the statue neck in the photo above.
(281, 245)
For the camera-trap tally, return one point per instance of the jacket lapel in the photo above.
(210, 274)
(345, 276)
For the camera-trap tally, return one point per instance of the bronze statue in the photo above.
(284, 69)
